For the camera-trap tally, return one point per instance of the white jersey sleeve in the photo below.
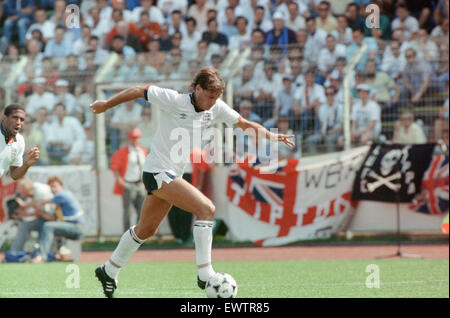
(17, 160)
(164, 98)
(226, 114)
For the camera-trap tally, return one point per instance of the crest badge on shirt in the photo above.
(207, 117)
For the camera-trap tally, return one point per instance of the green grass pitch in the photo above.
(258, 279)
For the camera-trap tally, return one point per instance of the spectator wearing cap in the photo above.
(294, 20)
(19, 14)
(365, 118)
(328, 55)
(331, 118)
(242, 38)
(64, 96)
(283, 102)
(307, 101)
(127, 165)
(404, 21)
(58, 47)
(199, 11)
(63, 132)
(407, 131)
(325, 20)
(40, 97)
(280, 35)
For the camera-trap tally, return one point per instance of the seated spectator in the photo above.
(354, 19)
(125, 117)
(155, 13)
(245, 143)
(245, 109)
(326, 21)
(64, 96)
(58, 16)
(280, 35)
(294, 21)
(242, 38)
(229, 26)
(28, 194)
(141, 71)
(328, 55)
(358, 40)
(66, 223)
(407, 131)
(176, 23)
(176, 39)
(284, 151)
(83, 150)
(365, 118)
(169, 6)
(259, 21)
(155, 57)
(267, 88)
(199, 11)
(63, 131)
(46, 26)
(40, 97)
(424, 46)
(118, 46)
(129, 32)
(165, 42)
(81, 45)
(315, 42)
(404, 21)
(147, 127)
(342, 33)
(441, 11)
(71, 71)
(307, 101)
(331, 118)
(19, 15)
(383, 88)
(393, 63)
(440, 33)
(257, 38)
(419, 79)
(179, 65)
(49, 72)
(147, 29)
(192, 36)
(119, 5)
(35, 138)
(41, 121)
(244, 85)
(58, 47)
(84, 94)
(441, 123)
(213, 35)
(283, 102)
(99, 27)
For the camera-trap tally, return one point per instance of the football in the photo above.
(221, 285)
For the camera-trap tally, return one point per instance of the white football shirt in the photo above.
(173, 141)
(11, 154)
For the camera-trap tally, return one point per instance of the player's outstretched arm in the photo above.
(32, 157)
(255, 129)
(132, 93)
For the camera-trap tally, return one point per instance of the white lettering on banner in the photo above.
(276, 212)
(257, 214)
(239, 192)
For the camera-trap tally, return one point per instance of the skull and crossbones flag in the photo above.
(392, 172)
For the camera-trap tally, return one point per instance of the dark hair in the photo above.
(242, 18)
(12, 108)
(192, 20)
(211, 20)
(209, 79)
(310, 19)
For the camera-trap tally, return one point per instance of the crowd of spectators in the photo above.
(293, 76)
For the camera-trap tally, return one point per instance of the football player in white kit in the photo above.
(162, 175)
(12, 145)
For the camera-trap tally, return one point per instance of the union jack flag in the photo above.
(433, 197)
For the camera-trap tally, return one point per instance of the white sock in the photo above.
(128, 245)
(203, 242)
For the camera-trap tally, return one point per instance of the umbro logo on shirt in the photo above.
(183, 116)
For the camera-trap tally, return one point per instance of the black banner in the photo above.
(390, 170)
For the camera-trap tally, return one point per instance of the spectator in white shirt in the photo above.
(120, 5)
(191, 38)
(331, 123)
(40, 97)
(394, 62)
(176, 23)
(294, 20)
(267, 88)
(259, 21)
(155, 13)
(246, 84)
(199, 11)
(228, 27)
(63, 96)
(125, 117)
(343, 32)
(98, 26)
(64, 131)
(329, 54)
(169, 6)
(404, 21)
(242, 38)
(47, 27)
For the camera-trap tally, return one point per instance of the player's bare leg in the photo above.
(152, 213)
(182, 194)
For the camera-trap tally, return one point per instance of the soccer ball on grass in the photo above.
(221, 285)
